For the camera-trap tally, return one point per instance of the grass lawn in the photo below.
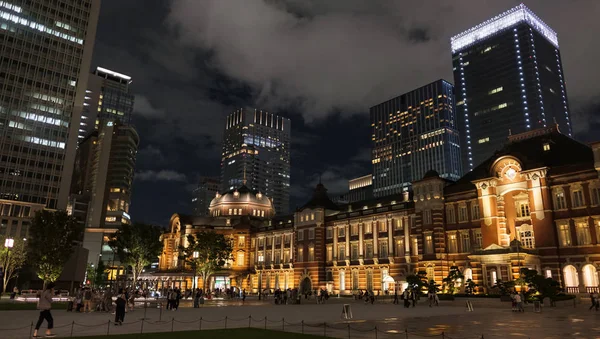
(25, 306)
(246, 333)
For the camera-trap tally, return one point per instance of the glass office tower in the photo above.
(45, 53)
(509, 79)
(412, 134)
(256, 147)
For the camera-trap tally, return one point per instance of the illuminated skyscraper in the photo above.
(413, 134)
(509, 79)
(107, 98)
(45, 57)
(256, 146)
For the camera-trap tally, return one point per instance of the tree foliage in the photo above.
(538, 284)
(470, 286)
(50, 244)
(450, 282)
(11, 260)
(417, 281)
(98, 275)
(212, 251)
(137, 245)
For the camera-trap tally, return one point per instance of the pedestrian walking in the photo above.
(395, 296)
(519, 302)
(406, 298)
(44, 305)
(120, 309)
(595, 301)
(244, 296)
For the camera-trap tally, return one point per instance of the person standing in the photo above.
(120, 309)
(44, 306)
(87, 300)
(244, 296)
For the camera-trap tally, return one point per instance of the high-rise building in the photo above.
(256, 148)
(509, 79)
(203, 194)
(106, 161)
(107, 98)
(360, 188)
(45, 56)
(412, 134)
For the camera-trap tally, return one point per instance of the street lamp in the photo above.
(8, 243)
(195, 255)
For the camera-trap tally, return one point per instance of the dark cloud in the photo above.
(321, 63)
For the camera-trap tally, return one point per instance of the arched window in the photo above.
(468, 273)
(590, 276)
(526, 236)
(571, 278)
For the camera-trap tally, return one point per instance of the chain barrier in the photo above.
(334, 326)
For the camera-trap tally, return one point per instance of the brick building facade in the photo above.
(534, 204)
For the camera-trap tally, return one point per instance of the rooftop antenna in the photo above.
(509, 132)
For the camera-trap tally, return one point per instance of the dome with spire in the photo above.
(242, 201)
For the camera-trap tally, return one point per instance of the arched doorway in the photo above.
(590, 276)
(305, 286)
(388, 284)
(571, 278)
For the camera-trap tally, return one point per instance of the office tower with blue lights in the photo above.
(509, 79)
(412, 134)
(45, 58)
(256, 151)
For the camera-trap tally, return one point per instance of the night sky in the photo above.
(320, 63)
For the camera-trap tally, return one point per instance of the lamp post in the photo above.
(195, 255)
(8, 243)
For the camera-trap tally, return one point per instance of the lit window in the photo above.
(241, 241)
(564, 234)
(452, 243)
(496, 90)
(240, 259)
(368, 227)
(484, 140)
(429, 244)
(311, 253)
(523, 210)
(546, 147)
(583, 233)
(110, 219)
(399, 247)
(526, 236)
(549, 274)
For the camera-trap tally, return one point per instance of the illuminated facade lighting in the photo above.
(499, 23)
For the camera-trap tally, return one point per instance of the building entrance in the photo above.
(222, 282)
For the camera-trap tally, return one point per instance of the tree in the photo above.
(454, 276)
(505, 287)
(137, 245)
(96, 275)
(470, 286)
(545, 287)
(417, 281)
(11, 260)
(207, 252)
(52, 235)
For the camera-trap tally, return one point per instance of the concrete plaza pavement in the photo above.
(490, 318)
